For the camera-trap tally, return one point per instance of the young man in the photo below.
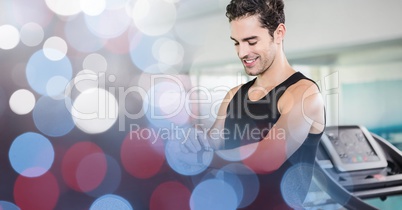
(274, 122)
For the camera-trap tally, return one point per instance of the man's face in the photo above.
(253, 44)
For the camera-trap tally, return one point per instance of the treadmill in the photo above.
(354, 164)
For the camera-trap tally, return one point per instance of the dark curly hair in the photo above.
(270, 12)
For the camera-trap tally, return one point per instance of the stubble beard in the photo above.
(261, 70)
(250, 73)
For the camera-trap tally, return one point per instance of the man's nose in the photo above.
(243, 50)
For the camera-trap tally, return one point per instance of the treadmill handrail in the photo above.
(381, 140)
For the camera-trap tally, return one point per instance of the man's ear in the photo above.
(279, 33)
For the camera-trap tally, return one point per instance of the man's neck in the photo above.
(276, 74)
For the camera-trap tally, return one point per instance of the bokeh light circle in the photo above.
(22, 101)
(112, 178)
(40, 70)
(23, 12)
(85, 41)
(86, 79)
(142, 152)
(213, 194)
(56, 87)
(91, 171)
(95, 110)
(160, 68)
(9, 37)
(166, 103)
(111, 202)
(109, 24)
(170, 195)
(120, 44)
(186, 163)
(168, 51)
(5, 205)
(31, 154)
(52, 117)
(93, 7)
(64, 8)
(230, 178)
(95, 62)
(55, 48)
(143, 80)
(37, 193)
(84, 166)
(296, 183)
(141, 51)
(249, 182)
(32, 34)
(117, 4)
(154, 17)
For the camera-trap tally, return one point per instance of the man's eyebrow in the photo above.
(245, 39)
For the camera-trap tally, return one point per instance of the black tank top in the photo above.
(248, 122)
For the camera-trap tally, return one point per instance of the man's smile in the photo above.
(249, 62)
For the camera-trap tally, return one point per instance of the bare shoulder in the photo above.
(225, 102)
(232, 92)
(301, 90)
(235, 89)
(305, 96)
(308, 95)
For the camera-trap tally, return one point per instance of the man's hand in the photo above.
(190, 143)
(187, 154)
(195, 141)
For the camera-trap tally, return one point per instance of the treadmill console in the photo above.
(354, 163)
(353, 148)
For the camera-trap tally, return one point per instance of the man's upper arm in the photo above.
(302, 113)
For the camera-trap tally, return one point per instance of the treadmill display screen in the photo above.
(352, 146)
